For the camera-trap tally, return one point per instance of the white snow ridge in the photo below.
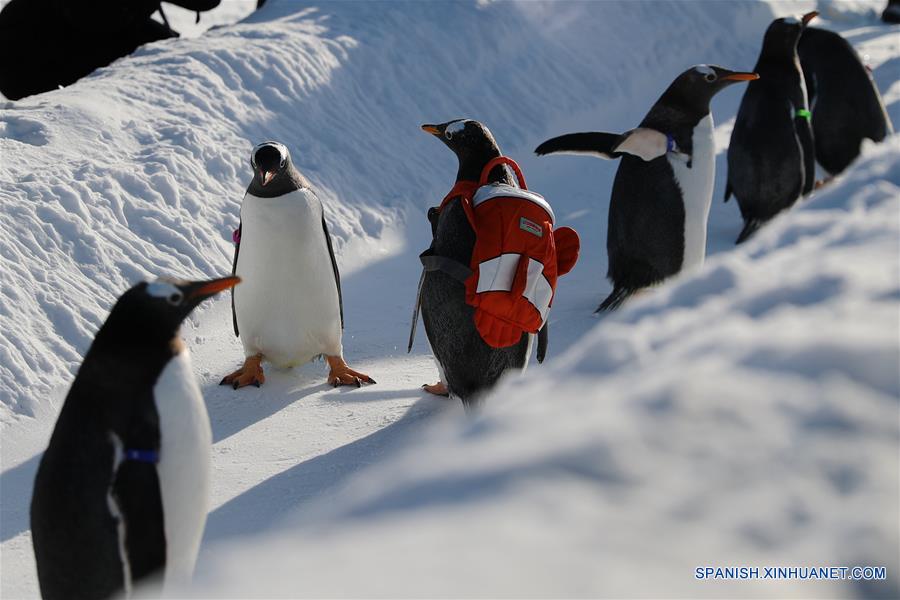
(746, 414)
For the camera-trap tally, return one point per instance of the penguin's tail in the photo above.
(615, 299)
(591, 142)
(727, 191)
(750, 227)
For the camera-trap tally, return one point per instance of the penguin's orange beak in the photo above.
(205, 289)
(266, 177)
(432, 129)
(742, 76)
(809, 17)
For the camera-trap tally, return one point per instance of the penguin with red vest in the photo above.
(485, 293)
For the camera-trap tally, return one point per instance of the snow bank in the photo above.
(744, 416)
(139, 169)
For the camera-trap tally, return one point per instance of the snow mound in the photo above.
(139, 169)
(746, 415)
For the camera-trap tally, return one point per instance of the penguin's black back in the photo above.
(846, 105)
(765, 159)
(470, 365)
(75, 536)
(645, 238)
(645, 235)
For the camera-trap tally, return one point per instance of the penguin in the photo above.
(289, 310)
(771, 156)
(468, 366)
(891, 12)
(663, 187)
(120, 496)
(844, 100)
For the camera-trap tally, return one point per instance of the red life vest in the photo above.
(517, 256)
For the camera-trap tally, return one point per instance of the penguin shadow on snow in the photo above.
(320, 476)
(15, 497)
(231, 411)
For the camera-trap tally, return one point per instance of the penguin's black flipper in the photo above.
(749, 229)
(337, 274)
(237, 250)
(594, 143)
(727, 191)
(615, 299)
(137, 496)
(543, 340)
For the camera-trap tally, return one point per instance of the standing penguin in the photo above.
(121, 492)
(289, 310)
(771, 157)
(844, 100)
(468, 365)
(663, 187)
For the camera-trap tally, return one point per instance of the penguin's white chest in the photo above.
(184, 464)
(696, 183)
(287, 304)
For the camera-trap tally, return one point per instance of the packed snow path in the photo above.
(139, 170)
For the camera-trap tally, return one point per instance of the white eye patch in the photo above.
(704, 70)
(791, 20)
(455, 127)
(162, 289)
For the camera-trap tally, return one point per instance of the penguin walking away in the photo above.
(771, 157)
(468, 366)
(844, 100)
(121, 493)
(663, 187)
(289, 308)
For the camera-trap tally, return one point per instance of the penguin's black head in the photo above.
(783, 34)
(471, 141)
(696, 86)
(271, 161)
(152, 311)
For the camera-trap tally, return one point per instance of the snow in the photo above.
(743, 414)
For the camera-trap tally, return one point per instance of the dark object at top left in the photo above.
(52, 43)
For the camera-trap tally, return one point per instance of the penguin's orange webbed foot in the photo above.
(340, 373)
(438, 389)
(251, 373)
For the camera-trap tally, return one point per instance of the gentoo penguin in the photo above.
(289, 309)
(771, 157)
(891, 13)
(467, 364)
(844, 100)
(663, 187)
(121, 493)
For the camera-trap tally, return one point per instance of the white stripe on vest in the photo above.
(537, 288)
(497, 274)
(503, 190)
